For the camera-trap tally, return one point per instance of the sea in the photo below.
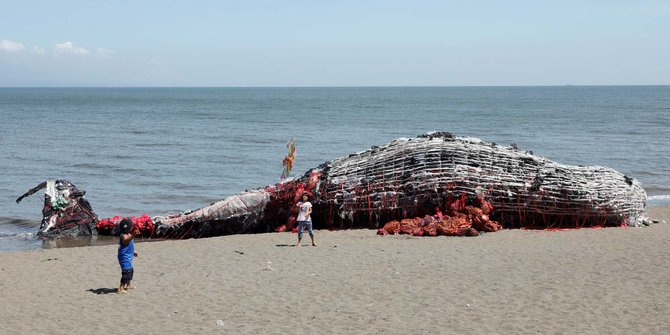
(165, 150)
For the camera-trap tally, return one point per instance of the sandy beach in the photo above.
(589, 281)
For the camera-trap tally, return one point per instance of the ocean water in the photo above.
(162, 150)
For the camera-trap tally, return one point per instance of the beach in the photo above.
(588, 281)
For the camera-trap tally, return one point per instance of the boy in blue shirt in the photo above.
(126, 254)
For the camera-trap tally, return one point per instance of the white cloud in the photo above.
(69, 48)
(11, 46)
(38, 50)
(104, 53)
(59, 49)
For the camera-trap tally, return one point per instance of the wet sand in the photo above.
(589, 281)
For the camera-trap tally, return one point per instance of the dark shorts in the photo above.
(126, 276)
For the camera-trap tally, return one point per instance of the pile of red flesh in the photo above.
(142, 223)
(458, 219)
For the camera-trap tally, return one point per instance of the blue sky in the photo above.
(334, 43)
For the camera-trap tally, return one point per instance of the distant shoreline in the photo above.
(345, 87)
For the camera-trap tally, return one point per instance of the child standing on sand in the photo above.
(304, 219)
(126, 254)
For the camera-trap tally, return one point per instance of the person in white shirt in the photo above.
(304, 219)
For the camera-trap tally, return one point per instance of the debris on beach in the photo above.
(413, 181)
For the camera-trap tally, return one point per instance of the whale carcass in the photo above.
(415, 177)
(411, 178)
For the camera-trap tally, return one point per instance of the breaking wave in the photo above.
(661, 199)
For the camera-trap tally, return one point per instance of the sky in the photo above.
(334, 43)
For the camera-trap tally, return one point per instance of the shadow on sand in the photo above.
(102, 290)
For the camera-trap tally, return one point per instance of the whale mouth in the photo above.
(66, 212)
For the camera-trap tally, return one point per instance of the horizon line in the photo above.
(349, 86)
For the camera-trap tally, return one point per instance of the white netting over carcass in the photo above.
(246, 207)
(524, 189)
